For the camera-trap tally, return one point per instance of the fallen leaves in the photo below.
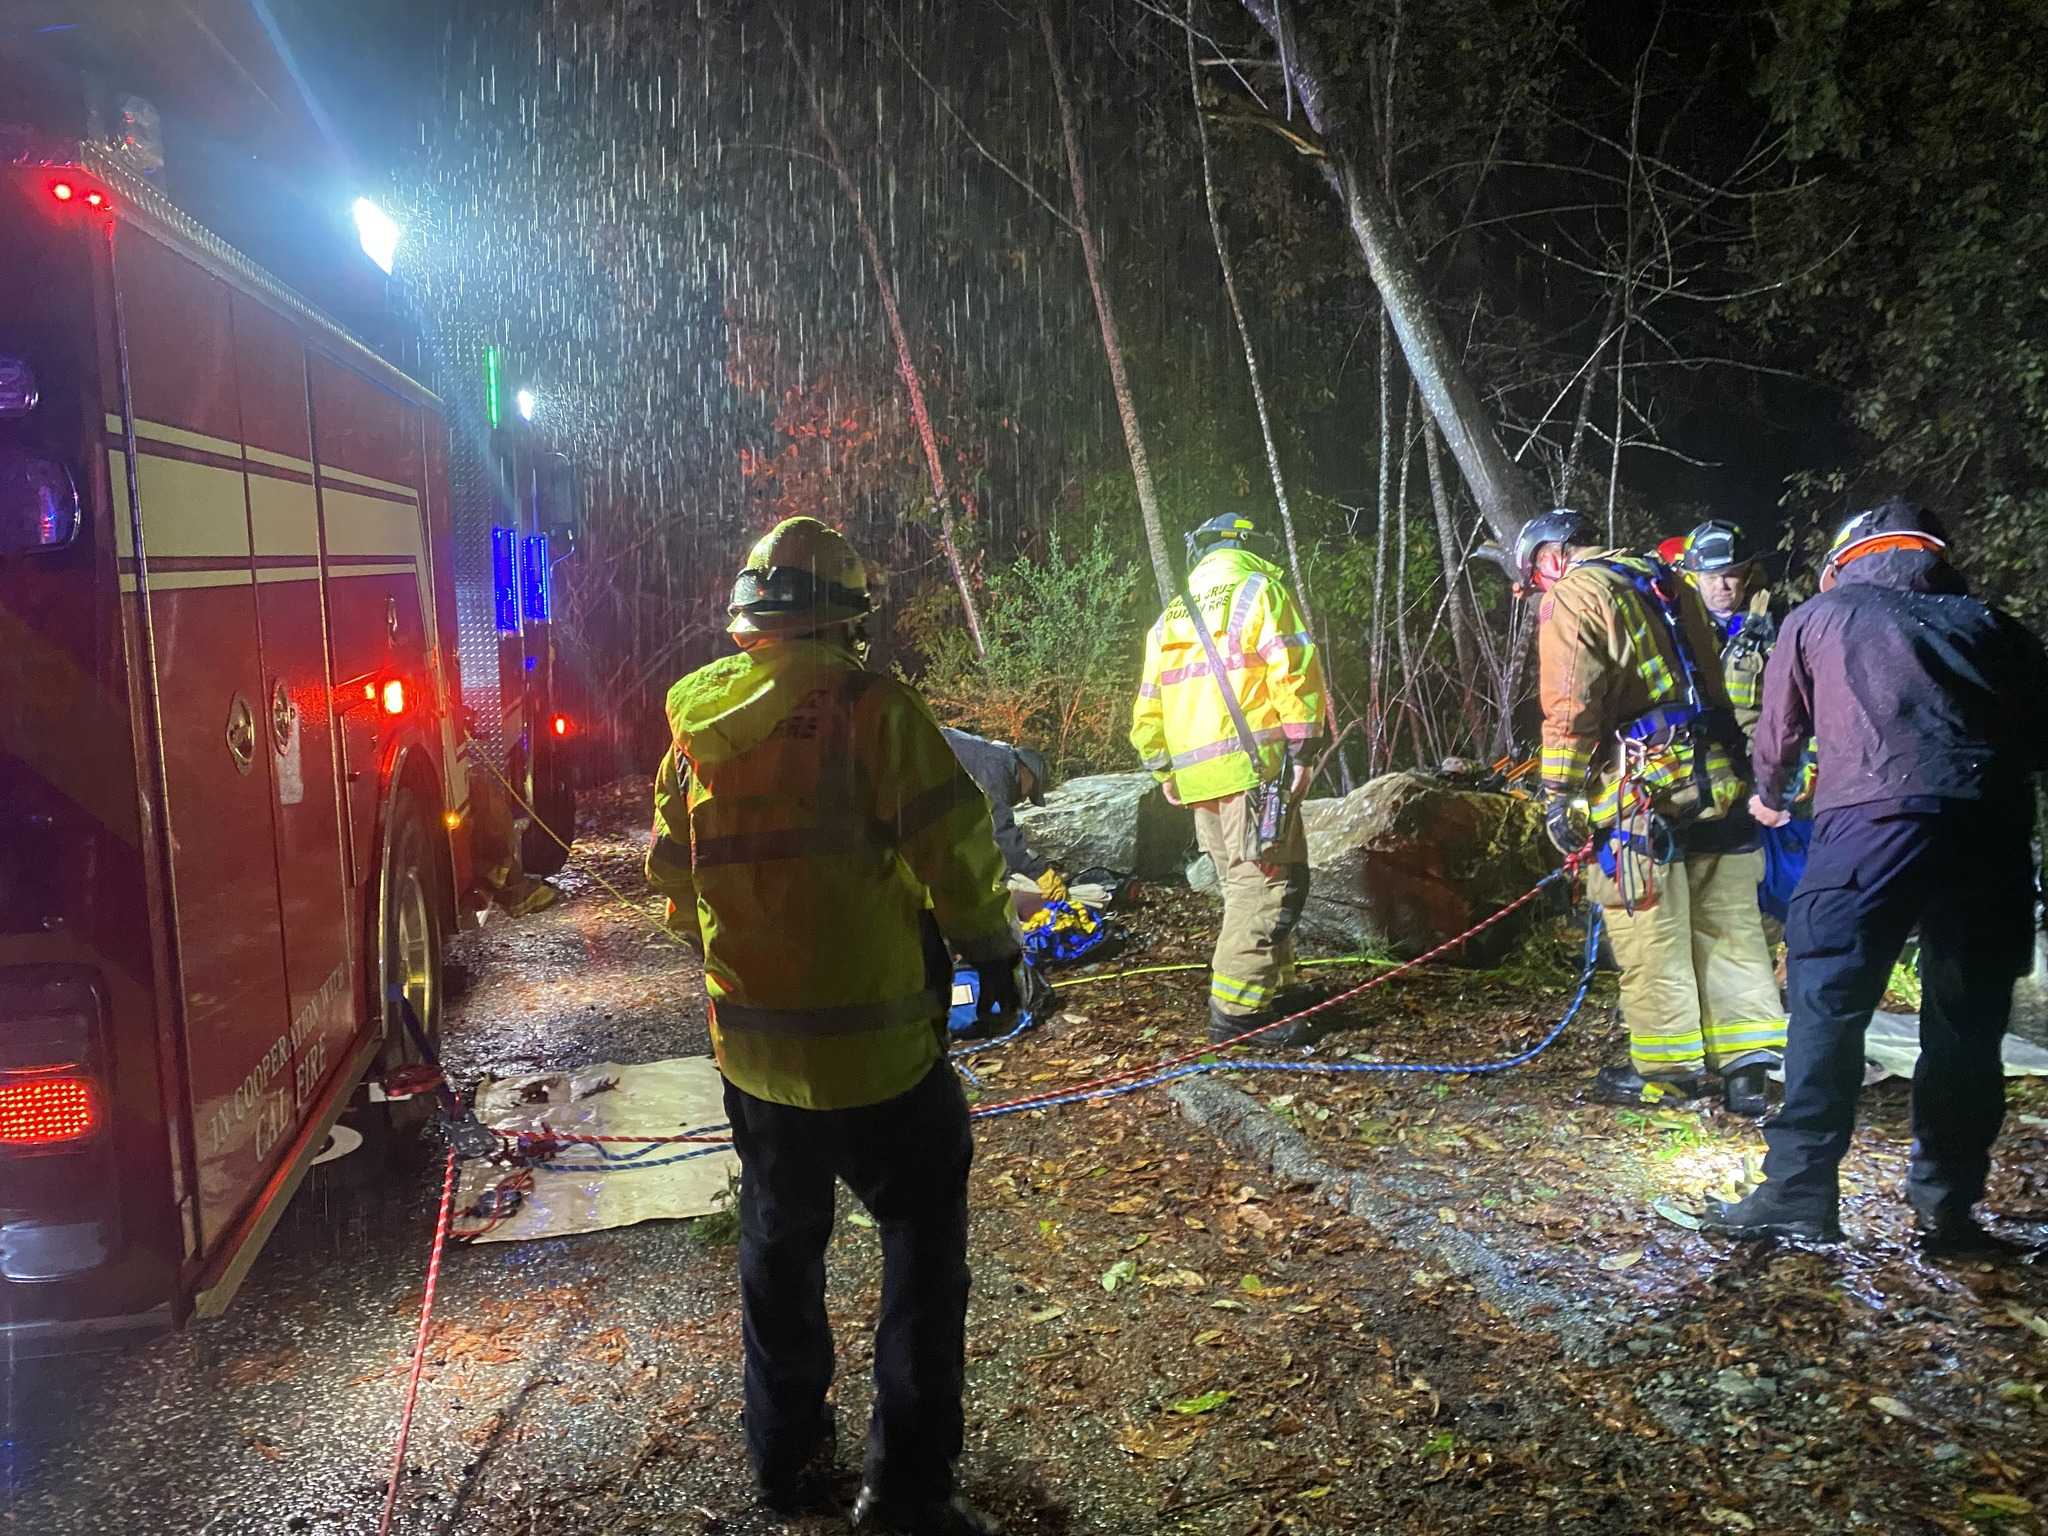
(1207, 1402)
(1118, 1273)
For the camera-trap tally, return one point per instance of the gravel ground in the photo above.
(1165, 1335)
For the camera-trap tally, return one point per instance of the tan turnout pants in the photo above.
(1698, 991)
(1262, 902)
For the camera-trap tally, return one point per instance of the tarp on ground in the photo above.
(579, 1191)
(1893, 1043)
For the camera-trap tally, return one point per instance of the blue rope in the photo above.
(1334, 1068)
(976, 1047)
(631, 1163)
(609, 1161)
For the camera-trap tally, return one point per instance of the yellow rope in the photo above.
(1202, 965)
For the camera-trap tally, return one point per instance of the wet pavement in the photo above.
(1164, 1336)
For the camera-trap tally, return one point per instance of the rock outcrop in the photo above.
(1120, 821)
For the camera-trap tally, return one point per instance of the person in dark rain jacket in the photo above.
(1927, 705)
(1009, 776)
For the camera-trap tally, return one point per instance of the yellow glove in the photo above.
(1051, 886)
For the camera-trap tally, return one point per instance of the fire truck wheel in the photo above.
(407, 940)
(555, 798)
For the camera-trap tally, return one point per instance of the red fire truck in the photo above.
(273, 620)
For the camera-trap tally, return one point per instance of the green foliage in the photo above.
(1065, 636)
(721, 1227)
(1913, 265)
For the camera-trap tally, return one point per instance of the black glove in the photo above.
(1566, 824)
(1001, 990)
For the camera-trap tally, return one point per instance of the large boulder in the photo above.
(1120, 821)
(1407, 861)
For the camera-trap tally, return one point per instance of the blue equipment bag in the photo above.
(1784, 863)
(963, 1019)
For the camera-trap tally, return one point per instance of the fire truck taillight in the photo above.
(63, 191)
(50, 1091)
(47, 1108)
(392, 695)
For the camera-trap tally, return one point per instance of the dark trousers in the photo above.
(1961, 870)
(906, 1160)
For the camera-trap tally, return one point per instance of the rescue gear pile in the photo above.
(1180, 723)
(821, 845)
(1061, 932)
(800, 577)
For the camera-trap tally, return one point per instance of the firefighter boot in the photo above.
(933, 1517)
(1228, 1026)
(1623, 1084)
(1767, 1212)
(1742, 1091)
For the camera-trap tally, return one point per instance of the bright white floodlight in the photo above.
(378, 232)
(525, 401)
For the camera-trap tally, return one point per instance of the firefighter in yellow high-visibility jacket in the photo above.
(821, 845)
(1186, 734)
(1640, 749)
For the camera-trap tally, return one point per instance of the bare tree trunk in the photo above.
(1105, 313)
(1503, 500)
(1614, 458)
(1464, 645)
(1375, 661)
(1409, 676)
(906, 364)
(1251, 362)
(1585, 414)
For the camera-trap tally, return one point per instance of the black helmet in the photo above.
(1230, 528)
(1717, 546)
(1562, 526)
(1906, 523)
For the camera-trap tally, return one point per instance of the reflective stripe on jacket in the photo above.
(1607, 659)
(811, 828)
(1180, 724)
(1746, 640)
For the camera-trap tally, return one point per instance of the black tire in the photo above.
(554, 798)
(405, 936)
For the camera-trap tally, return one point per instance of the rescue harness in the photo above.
(1639, 829)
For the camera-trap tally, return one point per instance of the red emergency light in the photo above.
(45, 1111)
(561, 725)
(73, 192)
(392, 695)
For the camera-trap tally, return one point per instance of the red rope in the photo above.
(419, 1348)
(1571, 865)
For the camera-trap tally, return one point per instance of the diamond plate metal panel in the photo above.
(472, 508)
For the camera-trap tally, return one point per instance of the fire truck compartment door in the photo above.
(209, 695)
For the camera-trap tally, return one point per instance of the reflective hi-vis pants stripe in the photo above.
(1698, 989)
(1262, 902)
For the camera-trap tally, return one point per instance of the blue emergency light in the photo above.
(505, 579)
(533, 572)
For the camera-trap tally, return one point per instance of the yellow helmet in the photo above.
(801, 577)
